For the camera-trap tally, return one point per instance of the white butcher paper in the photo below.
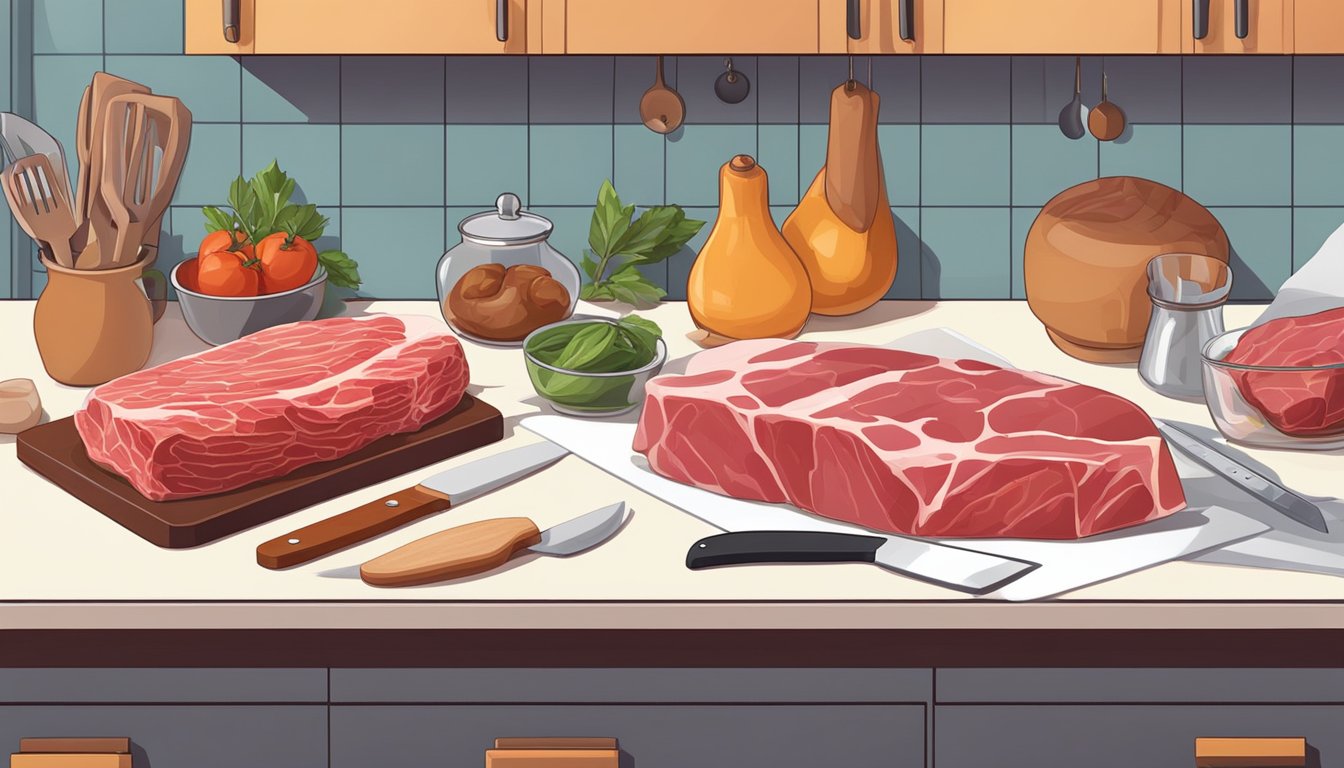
(1316, 287)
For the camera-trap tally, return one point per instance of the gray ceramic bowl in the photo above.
(220, 319)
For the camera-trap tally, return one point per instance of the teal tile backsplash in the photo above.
(397, 149)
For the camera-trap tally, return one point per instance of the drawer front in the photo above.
(167, 736)
(662, 736)
(1153, 736)
(92, 685)
(1140, 686)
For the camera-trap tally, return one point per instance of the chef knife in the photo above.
(1213, 458)
(433, 494)
(478, 547)
(941, 564)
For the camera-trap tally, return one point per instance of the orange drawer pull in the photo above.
(553, 753)
(1250, 753)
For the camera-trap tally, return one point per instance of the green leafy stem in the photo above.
(621, 243)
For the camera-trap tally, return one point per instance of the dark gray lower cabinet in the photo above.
(651, 735)
(184, 735)
(1119, 736)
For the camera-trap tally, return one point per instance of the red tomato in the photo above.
(220, 240)
(223, 273)
(287, 262)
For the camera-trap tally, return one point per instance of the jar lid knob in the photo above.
(508, 206)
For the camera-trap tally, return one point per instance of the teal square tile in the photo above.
(184, 229)
(209, 85)
(965, 164)
(1311, 228)
(1045, 161)
(695, 153)
(907, 285)
(679, 266)
(144, 26)
(397, 249)
(568, 163)
(1148, 151)
(39, 282)
(1261, 256)
(640, 159)
(1318, 165)
(58, 84)
(811, 155)
(392, 165)
(291, 89)
(6, 56)
(777, 152)
(1022, 220)
(310, 154)
(485, 161)
(899, 146)
(1239, 164)
(68, 26)
(452, 217)
(967, 253)
(214, 160)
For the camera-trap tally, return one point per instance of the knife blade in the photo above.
(467, 550)
(1216, 460)
(941, 563)
(433, 494)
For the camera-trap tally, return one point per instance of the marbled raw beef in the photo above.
(908, 443)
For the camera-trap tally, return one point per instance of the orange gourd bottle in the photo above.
(747, 283)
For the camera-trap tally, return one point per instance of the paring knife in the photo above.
(433, 494)
(941, 564)
(479, 547)
(1213, 458)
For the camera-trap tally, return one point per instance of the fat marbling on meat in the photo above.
(908, 443)
(272, 402)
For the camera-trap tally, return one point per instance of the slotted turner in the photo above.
(35, 196)
(161, 133)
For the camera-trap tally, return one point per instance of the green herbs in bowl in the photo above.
(594, 366)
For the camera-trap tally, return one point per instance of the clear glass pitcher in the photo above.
(1187, 291)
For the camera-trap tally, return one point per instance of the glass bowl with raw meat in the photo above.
(1279, 384)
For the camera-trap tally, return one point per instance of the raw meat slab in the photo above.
(55, 451)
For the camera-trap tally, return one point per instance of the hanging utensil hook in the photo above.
(849, 84)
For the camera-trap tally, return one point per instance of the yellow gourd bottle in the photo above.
(747, 283)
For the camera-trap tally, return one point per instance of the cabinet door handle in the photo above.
(853, 24)
(502, 20)
(1239, 752)
(1200, 11)
(232, 24)
(1243, 19)
(907, 21)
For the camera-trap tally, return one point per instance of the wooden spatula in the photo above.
(122, 185)
(92, 218)
(155, 164)
(40, 207)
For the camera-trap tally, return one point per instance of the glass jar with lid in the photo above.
(504, 280)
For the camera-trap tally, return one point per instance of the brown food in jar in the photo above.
(506, 303)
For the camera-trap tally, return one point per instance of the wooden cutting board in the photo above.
(56, 452)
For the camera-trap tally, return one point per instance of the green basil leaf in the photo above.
(588, 344)
(304, 221)
(595, 292)
(216, 219)
(342, 270)
(589, 265)
(637, 323)
(648, 230)
(674, 239)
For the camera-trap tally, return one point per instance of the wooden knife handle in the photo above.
(348, 528)
(462, 551)
(1250, 753)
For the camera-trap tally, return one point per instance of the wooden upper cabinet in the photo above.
(362, 26)
(688, 26)
(881, 26)
(1318, 26)
(1267, 26)
(1062, 26)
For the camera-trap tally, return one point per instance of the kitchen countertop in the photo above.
(64, 566)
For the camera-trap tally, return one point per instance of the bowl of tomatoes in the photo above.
(233, 288)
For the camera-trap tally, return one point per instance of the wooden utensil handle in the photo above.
(343, 530)
(1250, 753)
(462, 551)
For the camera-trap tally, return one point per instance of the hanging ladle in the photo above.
(1073, 117)
(662, 108)
(1107, 120)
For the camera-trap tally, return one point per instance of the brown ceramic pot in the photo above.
(1086, 258)
(92, 326)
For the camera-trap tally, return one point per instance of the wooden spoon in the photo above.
(1107, 120)
(662, 108)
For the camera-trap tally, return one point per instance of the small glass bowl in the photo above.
(1241, 399)
(580, 393)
